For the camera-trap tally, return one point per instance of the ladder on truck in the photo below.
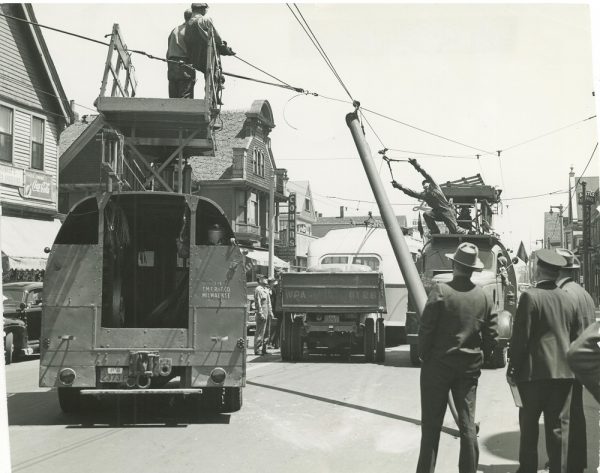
(147, 143)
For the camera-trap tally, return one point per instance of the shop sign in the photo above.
(11, 176)
(292, 220)
(38, 186)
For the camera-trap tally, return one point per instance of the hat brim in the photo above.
(478, 266)
(573, 266)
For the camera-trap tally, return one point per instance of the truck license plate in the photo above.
(332, 319)
(112, 374)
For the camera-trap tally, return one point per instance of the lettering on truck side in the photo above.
(215, 290)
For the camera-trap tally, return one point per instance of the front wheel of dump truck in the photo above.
(296, 340)
(380, 341)
(369, 340)
(414, 354)
(232, 400)
(69, 400)
(286, 334)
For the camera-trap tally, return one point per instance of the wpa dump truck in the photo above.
(336, 308)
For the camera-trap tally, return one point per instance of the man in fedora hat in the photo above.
(457, 325)
(577, 459)
(545, 324)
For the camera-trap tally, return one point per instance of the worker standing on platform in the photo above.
(197, 36)
(545, 324)
(458, 324)
(181, 76)
(577, 460)
(432, 194)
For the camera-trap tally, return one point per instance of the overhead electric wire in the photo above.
(313, 38)
(548, 133)
(11, 79)
(285, 85)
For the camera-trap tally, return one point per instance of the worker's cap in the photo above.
(572, 262)
(502, 260)
(467, 254)
(550, 259)
(261, 277)
(198, 6)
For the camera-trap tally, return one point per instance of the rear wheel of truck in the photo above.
(9, 348)
(285, 337)
(69, 400)
(232, 400)
(414, 355)
(380, 341)
(296, 341)
(369, 340)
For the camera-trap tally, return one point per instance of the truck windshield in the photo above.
(12, 296)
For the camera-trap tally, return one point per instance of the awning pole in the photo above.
(272, 226)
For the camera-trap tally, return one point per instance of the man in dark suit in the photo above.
(577, 460)
(545, 324)
(457, 325)
(584, 359)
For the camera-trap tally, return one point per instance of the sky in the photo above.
(485, 77)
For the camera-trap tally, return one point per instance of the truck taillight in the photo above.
(66, 376)
(218, 375)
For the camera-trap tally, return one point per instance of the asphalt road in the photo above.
(325, 414)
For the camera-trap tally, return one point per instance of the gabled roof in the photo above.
(301, 188)
(231, 135)
(40, 44)
(75, 137)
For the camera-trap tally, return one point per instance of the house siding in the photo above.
(22, 74)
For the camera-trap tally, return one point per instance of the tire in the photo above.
(369, 340)
(232, 400)
(499, 356)
(380, 341)
(9, 348)
(414, 355)
(70, 400)
(296, 342)
(285, 339)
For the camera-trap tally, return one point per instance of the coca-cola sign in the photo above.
(38, 186)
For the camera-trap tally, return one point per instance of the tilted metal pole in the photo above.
(403, 256)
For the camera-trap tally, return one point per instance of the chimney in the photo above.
(75, 114)
(341, 211)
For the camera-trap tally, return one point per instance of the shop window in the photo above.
(6, 134)
(37, 143)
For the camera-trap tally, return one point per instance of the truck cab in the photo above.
(476, 202)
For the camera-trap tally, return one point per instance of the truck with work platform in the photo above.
(475, 204)
(145, 286)
(333, 309)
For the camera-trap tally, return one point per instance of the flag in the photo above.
(521, 253)
(420, 226)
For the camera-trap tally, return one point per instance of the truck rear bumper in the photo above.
(138, 392)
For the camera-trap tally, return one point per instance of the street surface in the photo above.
(325, 414)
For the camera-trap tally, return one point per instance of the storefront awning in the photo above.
(23, 241)
(261, 258)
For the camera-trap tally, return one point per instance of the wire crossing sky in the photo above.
(436, 82)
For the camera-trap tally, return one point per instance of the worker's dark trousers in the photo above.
(181, 80)
(577, 459)
(552, 397)
(439, 377)
(442, 215)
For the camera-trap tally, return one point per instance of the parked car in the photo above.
(15, 339)
(23, 300)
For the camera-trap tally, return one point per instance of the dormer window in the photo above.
(258, 162)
